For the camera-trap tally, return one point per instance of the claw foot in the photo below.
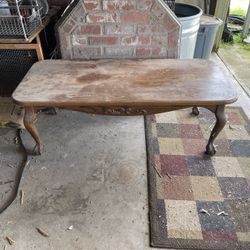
(210, 149)
(195, 111)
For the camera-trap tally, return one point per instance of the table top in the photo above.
(151, 82)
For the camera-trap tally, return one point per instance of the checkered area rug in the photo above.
(198, 201)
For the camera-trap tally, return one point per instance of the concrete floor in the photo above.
(92, 176)
(237, 60)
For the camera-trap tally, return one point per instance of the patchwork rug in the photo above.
(198, 201)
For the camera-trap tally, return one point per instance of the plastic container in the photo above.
(209, 26)
(189, 17)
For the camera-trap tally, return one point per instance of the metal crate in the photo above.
(20, 18)
(14, 64)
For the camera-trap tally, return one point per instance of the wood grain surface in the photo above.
(132, 83)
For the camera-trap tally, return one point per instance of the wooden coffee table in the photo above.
(125, 88)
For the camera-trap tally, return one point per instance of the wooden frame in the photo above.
(218, 110)
(247, 23)
(26, 46)
(22, 44)
(221, 12)
(126, 88)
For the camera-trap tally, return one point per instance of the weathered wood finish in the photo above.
(127, 87)
(29, 123)
(133, 83)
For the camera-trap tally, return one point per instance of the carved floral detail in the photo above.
(114, 110)
(124, 111)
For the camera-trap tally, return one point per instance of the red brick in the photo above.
(102, 40)
(144, 40)
(90, 5)
(82, 52)
(63, 41)
(111, 29)
(159, 41)
(144, 4)
(169, 22)
(122, 29)
(118, 5)
(172, 54)
(160, 29)
(78, 40)
(143, 52)
(136, 40)
(78, 12)
(119, 52)
(149, 29)
(69, 25)
(173, 40)
(91, 29)
(102, 17)
(128, 6)
(135, 17)
(159, 52)
(142, 29)
(158, 10)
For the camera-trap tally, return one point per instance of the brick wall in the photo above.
(94, 29)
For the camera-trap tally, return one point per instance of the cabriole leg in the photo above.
(29, 123)
(219, 112)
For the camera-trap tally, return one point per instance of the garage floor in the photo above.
(88, 190)
(238, 62)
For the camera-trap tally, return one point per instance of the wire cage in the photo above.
(170, 3)
(21, 18)
(14, 64)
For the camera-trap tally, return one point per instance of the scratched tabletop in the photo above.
(154, 82)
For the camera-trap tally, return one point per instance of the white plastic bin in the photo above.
(189, 17)
(209, 26)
